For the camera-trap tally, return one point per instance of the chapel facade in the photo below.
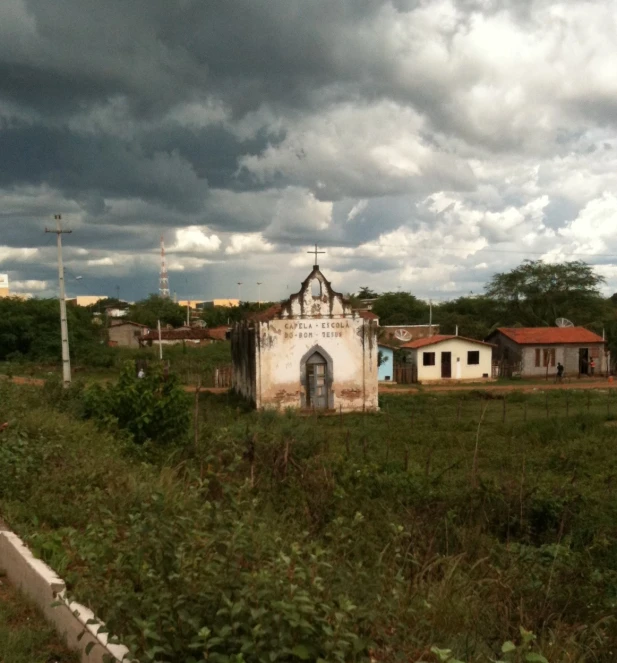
(308, 352)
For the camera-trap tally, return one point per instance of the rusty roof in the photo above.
(186, 334)
(439, 338)
(367, 315)
(549, 335)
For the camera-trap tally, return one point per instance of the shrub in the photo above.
(154, 407)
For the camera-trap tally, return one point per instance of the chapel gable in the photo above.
(316, 298)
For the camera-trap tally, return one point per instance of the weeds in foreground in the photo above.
(411, 535)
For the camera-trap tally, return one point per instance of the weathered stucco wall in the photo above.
(243, 355)
(568, 355)
(350, 345)
(269, 354)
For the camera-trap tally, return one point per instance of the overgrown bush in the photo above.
(154, 407)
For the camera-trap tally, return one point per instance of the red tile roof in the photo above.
(218, 333)
(439, 338)
(367, 315)
(186, 334)
(549, 335)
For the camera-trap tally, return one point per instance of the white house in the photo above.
(311, 351)
(445, 357)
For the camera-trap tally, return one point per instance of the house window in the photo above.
(548, 357)
(473, 357)
(537, 357)
(428, 359)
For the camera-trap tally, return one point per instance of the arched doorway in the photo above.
(317, 381)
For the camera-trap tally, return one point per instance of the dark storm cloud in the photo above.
(107, 165)
(305, 121)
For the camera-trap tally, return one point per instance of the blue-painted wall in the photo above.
(386, 370)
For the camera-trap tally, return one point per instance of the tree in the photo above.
(218, 316)
(400, 308)
(30, 330)
(536, 293)
(149, 311)
(474, 316)
(366, 293)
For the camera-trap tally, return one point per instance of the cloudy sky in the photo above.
(424, 144)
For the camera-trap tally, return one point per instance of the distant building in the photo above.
(115, 312)
(536, 351)
(126, 334)
(85, 300)
(218, 302)
(4, 285)
(406, 333)
(385, 370)
(311, 351)
(191, 303)
(188, 335)
(444, 358)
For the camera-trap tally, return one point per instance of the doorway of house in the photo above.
(316, 380)
(583, 361)
(446, 364)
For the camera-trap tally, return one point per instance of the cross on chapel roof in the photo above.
(315, 251)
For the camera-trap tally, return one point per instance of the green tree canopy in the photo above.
(400, 308)
(148, 311)
(475, 316)
(31, 330)
(366, 293)
(537, 293)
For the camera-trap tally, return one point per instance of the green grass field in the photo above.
(461, 522)
(25, 637)
(191, 364)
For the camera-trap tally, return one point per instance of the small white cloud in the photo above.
(248, 243)
(193, 238)
(358, 208)
(28, 285)
(11, 253)
(100, 262)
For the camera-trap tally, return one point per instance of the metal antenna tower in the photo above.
(163, 278)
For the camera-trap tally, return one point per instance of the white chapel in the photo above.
(308, 352)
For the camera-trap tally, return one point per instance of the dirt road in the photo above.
(491, 386)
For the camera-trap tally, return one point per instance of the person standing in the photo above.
(559, 371)
(592, 366)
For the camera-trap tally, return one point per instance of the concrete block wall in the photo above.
(46, 590)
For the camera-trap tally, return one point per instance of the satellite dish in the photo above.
(402, 335)
(564, 322)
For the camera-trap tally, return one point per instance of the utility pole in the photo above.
(64, 328)
(259, 293)
(430, 317)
